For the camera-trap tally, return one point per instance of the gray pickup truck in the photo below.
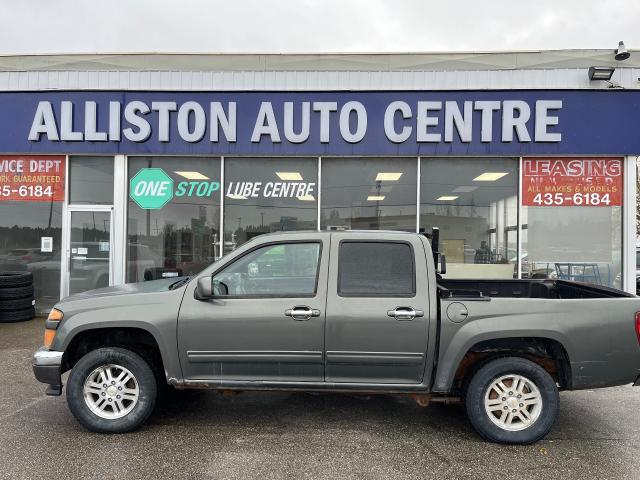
(357, 312)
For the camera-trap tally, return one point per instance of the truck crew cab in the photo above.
(351, 311)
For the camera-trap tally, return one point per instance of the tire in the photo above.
(17, 315)
(15, 304)
(533, 381)
(16, 292)
(15, 279)
(134, 414)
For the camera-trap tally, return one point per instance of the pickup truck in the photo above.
(361, 312)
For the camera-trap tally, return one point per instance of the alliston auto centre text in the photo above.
(429, 121)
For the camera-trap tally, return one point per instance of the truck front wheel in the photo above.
(512, 400)
(111, 390)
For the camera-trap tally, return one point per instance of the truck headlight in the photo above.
(51, 326)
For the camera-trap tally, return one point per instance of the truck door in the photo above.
(269, 326)
(377, 309)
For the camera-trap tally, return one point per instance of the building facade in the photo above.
(125, 168)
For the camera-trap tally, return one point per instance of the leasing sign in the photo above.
(568, 182)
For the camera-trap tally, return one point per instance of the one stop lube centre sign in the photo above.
(152, 188)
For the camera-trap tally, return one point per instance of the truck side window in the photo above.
(281, 270)
(376, 269)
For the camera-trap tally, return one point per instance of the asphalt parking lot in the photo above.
(200, 434)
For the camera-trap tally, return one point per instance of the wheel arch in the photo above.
(137, 339)
(547, 351)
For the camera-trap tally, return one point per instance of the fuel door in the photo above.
(457, 312)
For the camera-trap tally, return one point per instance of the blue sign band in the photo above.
(515, 122)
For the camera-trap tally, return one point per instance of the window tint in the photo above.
(182, 236)
(369, 194)
(265, 195)
(375, 269)
(281, 270)
(91, 180)
(474, 202)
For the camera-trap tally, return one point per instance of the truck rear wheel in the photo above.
(512, 400)
(111, 390)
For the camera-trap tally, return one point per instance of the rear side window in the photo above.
(376, 269)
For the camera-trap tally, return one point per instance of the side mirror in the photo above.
(219, 288)
(443, 264)
(204, 290)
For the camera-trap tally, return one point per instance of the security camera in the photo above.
(621, 52)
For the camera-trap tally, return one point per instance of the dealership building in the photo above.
(126, 168)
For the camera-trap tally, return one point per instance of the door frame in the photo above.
(65, 256)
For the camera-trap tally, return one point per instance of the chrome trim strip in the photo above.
(254, 356)
(44, 357)
(386, 388)
(375, 358)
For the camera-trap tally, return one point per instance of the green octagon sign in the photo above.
(151, 188)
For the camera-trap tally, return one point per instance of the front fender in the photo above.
(155, 313)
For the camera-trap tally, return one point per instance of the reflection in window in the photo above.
(283, 270)
(369, 269)
(89, 264)
(91, 180)
(369, 193)
(265, 195)
(584, 254)
(183, 236)
(22, 227)
(474, 203)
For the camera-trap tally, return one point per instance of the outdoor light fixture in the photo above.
(601, 73)
(375, 198)
(192, 175)
(289, 176)
(490, 176)
(388, 176)
(621, 52)
(447, 198)
(235, 196)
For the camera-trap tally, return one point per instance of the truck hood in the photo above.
(152, 286)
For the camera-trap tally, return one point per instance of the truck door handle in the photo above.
(301, 313)
(405, 313)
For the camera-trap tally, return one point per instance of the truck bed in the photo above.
(560, 289)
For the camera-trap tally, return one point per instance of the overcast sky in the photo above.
(66, 26)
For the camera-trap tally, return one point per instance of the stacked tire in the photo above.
(16, 297)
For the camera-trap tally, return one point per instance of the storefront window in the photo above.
(572, 219)
(31, 198)
(91, 180)
(23, 225)
(369, 193)
(265, 195)
(173, 216)
(474, 203)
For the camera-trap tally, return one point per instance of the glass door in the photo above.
(89, 249)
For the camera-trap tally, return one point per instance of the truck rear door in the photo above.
(377, 309)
